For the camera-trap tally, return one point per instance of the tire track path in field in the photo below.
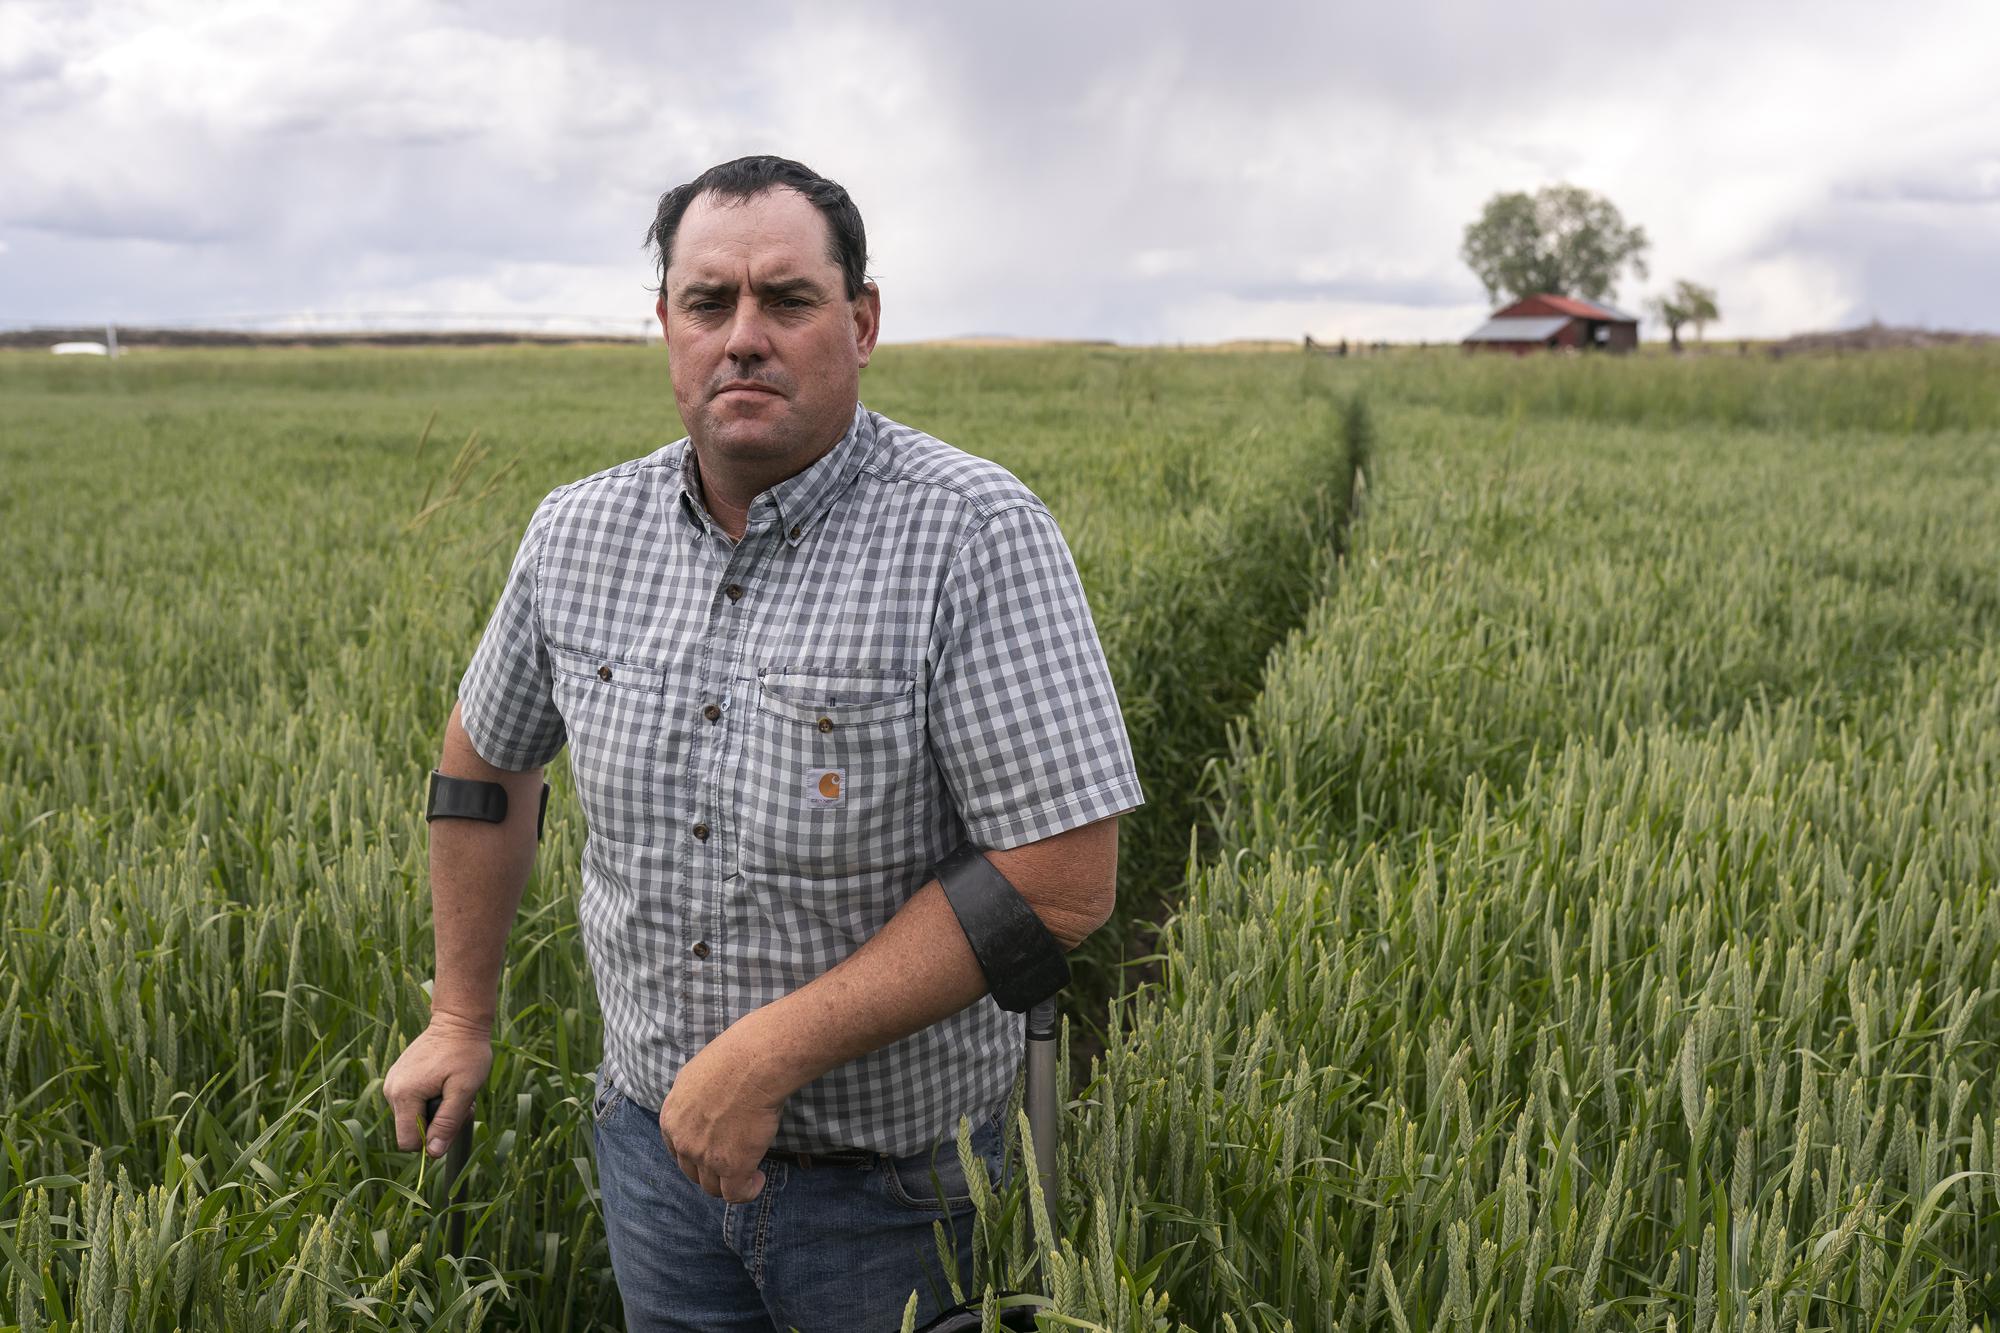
(1194, 683)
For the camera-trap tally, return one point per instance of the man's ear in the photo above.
(867, 320)
(660, 309)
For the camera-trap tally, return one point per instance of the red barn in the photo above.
(1556, 321)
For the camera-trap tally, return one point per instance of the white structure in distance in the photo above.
(109, 347)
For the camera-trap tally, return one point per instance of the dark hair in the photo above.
(748, 177)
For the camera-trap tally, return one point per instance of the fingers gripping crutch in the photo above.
(453, 1173)
(485, 802)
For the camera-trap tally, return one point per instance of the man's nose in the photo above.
(748, 340)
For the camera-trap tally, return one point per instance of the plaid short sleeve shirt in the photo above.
(775, 739)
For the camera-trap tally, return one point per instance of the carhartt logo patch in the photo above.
(826, 786)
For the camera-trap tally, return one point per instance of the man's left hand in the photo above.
(722, 1113)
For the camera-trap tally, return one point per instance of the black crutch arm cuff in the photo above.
(469, 798)
(1023, 962)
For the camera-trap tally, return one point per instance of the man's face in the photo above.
(765, 348)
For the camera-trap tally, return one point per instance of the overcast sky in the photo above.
(1163, 172)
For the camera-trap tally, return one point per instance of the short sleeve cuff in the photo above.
(481, 730)
(1072, 810)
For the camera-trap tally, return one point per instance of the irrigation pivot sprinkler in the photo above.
(454, 1167)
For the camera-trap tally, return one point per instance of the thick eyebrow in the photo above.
(705, 291)
(783, 287)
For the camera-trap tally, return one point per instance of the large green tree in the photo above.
(1561, 239)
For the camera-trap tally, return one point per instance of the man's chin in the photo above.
(745, 438)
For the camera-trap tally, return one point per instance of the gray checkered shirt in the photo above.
(775, 739)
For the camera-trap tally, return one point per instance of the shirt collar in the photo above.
(799, 500)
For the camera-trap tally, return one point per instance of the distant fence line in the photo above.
(42, 337)
(395, 326)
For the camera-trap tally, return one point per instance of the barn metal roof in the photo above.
(1517, 329)
(1542, 302)
(1564, 305)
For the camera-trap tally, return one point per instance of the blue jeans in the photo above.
(823, 1248)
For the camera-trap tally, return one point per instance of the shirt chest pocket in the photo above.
(612, 709)
(832, 778)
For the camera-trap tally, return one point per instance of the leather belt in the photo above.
(839, 1157)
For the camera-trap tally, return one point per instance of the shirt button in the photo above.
(604, 673)
(701, 948)
(733, 591)
(711, 712)
(826, 724)
(796, 530)
(701, 832)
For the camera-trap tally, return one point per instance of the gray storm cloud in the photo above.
(1170, 172)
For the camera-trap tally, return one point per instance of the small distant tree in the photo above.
(1560, 239)
(1687, 303)
(1669, 313)
(1699, 303)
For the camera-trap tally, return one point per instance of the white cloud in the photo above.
(1141, 173)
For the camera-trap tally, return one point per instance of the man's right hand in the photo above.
(450, 1059)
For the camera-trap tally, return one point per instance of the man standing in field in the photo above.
(809, 662)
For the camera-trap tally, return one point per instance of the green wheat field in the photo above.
(1569, 897)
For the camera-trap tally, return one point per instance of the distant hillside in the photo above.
(1875, 337)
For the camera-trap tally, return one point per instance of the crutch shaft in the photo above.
(1044, 1105)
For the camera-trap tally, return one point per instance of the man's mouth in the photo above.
(747, 386)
